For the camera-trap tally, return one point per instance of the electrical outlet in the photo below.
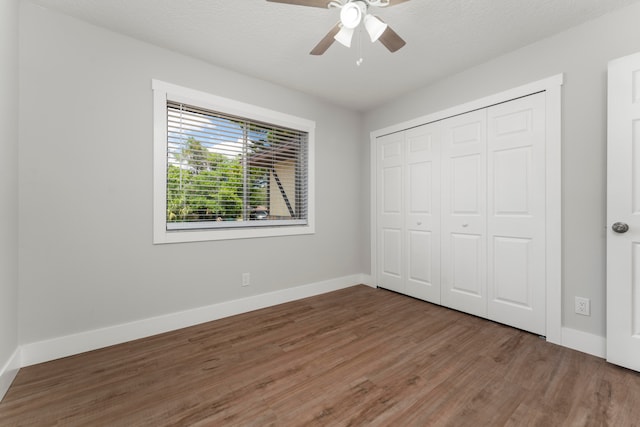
(583, 306)
(246, 279)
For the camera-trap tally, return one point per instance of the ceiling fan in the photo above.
(352, 14)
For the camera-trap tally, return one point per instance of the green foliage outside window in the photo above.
(209, 186)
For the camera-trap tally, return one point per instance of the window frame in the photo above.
(163, 92)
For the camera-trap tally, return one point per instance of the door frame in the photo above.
(553, 220)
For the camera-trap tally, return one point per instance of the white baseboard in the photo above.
(8, 372)
(584, 342)
(44, 351)
(367, 279)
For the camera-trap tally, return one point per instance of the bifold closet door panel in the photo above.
(422, 208)
(390, 212)
(516, 213)
(461, 211)
(464, 195)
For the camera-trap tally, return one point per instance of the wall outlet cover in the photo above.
(583, 306)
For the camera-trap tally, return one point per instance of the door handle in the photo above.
(620, 227)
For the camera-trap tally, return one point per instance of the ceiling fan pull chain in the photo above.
(360, 59)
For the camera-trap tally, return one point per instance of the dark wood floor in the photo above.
(358, 356)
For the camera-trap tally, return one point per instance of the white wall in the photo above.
(582, 54)
(8, 185)
(86, 255)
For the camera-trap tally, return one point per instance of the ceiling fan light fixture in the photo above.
(344, 36)
(375, 27)
(351, 14)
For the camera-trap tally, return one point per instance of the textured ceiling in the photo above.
(271, 41)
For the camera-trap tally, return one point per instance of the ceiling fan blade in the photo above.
(391, 40)
(395, 2)
(326, 41)
(324, 4)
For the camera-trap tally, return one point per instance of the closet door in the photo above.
(516, 213)
(390, 211)
(422, 207)
(464, 219)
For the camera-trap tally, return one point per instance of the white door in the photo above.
(422, 207)
(516, 213)
(623, 213)
(464, 219)
(390, 212)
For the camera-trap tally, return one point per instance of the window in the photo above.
(226, 170)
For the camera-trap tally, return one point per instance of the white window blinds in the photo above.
(225, 171)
